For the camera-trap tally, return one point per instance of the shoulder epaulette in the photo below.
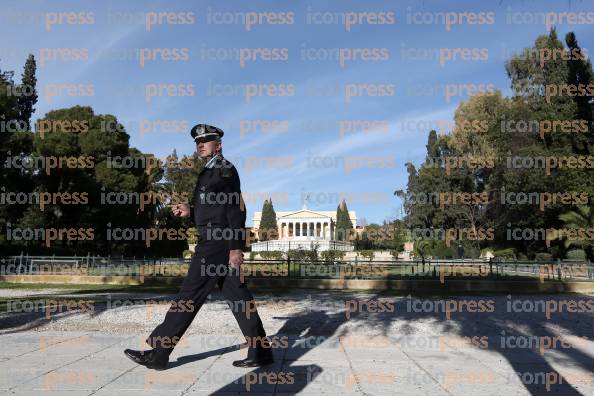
(226, 168)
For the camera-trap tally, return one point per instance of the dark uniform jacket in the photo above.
(218, 203)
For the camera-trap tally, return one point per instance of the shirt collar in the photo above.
(211, 161)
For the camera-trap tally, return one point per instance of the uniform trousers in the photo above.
(209, 268)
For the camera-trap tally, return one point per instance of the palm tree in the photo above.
(581, 218)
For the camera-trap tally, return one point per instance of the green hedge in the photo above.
(302, 255)
(509, 253)
(394, 253)
(543, 257)
(367, 254)
(441, 250)
(272, 255)
(576, 254)
(332, 255)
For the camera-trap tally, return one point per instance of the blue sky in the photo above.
(306, 153)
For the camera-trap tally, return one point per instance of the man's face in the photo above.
(207, 148)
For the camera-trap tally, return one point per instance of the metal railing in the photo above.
(81, 265)
(307, 269)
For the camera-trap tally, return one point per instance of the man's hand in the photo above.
(235, 257)
(180, 210)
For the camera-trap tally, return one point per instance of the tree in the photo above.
(16, 144)
(530, 77)
(96, 166)
(181, 174)
(27, 97)
(490, 126)
(580, 72)
(432, 146)
(344, 226)
(268, 228)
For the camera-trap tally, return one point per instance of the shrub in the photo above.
(508, 254)
(272, 255)
(522, 257)
(543, 257)
(442, 251)
(253, 255)
(302, 255)
(470, 251)
(576, 254)
(367, 254)
(485, 251)
(331, 256)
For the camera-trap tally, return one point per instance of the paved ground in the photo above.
(415, 348)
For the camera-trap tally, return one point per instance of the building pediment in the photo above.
(304, 213)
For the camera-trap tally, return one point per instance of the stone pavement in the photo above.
(91, 363)
(459, 345)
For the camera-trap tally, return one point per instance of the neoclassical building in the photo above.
(303, 228)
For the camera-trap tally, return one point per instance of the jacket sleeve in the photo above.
(191, 219)
(235, 210)
(192, 204)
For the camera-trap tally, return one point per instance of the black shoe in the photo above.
(254, 362)
(148, 359)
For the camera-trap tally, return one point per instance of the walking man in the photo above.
(219, 214)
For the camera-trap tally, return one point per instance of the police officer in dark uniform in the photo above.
(219, 214)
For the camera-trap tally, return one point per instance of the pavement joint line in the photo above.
(359, 387)
(113, 380)
(65, 365)
(428, 373)
(206, 369)
(49, 346)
